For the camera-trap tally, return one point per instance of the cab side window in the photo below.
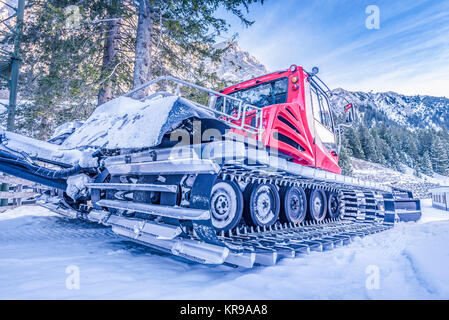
(261, 95)
(321, 109)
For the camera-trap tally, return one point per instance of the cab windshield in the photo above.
(260, 95)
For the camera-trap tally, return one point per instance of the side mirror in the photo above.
(349, 113)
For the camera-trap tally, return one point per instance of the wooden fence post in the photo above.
(23, 193)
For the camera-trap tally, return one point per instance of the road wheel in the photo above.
(226, 205)
(262, 205)
(333, 205)
(317, 205)
(293, 205)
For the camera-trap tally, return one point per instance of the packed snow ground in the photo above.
(38, 247)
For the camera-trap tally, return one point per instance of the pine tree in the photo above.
(425, 164)
(344, 160)
(58, 66)
(378, 143)
(417, 170)
(425, 139)
(439, 157)
(111, 52)
(368, 146)
(68, 70)
(354, 143)
(175, 34)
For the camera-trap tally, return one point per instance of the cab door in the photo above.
(326, 157)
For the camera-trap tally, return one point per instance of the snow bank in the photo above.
(34, 211)
(36, 249)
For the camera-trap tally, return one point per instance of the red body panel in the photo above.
(293, 121)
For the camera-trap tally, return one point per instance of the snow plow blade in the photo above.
(193, 250)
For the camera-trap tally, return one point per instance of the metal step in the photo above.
(266, 256)
(140, 226)
(166, 211)
(57, 208)
(169, 167)
(134, 187)
(98, 216)
(186, 248)
(244, 259)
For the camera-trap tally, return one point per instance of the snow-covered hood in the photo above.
(128, 123)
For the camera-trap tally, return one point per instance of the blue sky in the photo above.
(409, 53)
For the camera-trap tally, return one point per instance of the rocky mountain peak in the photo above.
(417, 111)
(236, 64)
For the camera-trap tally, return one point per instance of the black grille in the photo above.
(283, 138)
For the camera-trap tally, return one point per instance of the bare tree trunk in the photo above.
(142, 63)
(111, 48)
(15, 66)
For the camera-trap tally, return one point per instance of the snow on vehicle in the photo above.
(247, 179)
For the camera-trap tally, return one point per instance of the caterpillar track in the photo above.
(178, 220)
(243, 246)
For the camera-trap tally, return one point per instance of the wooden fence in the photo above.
(16, 192)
